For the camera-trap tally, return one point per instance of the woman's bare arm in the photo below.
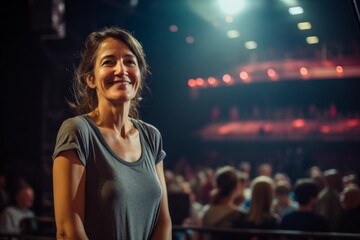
(163, 228)
(69, 196)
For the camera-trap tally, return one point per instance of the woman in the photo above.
(260, 214)
(222, 211)
(108, 164)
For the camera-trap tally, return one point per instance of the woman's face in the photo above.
(116, 72)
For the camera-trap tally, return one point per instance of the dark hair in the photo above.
(226, 181)
(305, 189)
(85, 98)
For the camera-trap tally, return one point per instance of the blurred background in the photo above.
(273, 81)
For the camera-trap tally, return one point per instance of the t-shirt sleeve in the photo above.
(161, 154)
(73, 135)
(154, 139)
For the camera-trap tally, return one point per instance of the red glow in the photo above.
(304, 71)
(352, 122)
(271, 72)
(200, 82)
(189, 40)
(298, 123)
(173, 28)
(227, 78)
(224, 130)
(244, 76)
(191, 83)
(325, 129)
(339, 69)
(212, 81)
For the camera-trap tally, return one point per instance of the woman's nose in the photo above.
(120, 69)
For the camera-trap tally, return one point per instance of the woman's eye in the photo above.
(108, 62)
(131, 62)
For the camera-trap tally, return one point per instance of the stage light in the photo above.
(189, 40)
(233, 34)
(227, 78)
(231, 7)
(304, 71)
(250, 45)
(173, 28)
(304, 25)
(312, 39)
(212, 81)
(339, 69)
(192, 83)
(296, 10)
(200, 82)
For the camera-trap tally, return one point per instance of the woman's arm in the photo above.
(69, 196)
(163, 226)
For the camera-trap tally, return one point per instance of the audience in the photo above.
(11, 217)
(227, 198)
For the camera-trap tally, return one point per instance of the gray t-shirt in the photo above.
(122, 199)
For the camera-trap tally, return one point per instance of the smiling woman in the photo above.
(106, 160)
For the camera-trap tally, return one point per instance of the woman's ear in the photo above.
(90, 81)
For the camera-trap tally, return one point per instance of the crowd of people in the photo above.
(229, 197)
(233, 197)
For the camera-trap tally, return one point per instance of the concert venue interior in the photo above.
(273, 81)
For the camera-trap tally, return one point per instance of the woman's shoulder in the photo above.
(145, 125)
(78, 119)
(148, 128)
(76, 122)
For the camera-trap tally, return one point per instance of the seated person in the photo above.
(260, 214)
(283, 203)
(12, 215)
(222, 212)
(305, 218)
(350, 215)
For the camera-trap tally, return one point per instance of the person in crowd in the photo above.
(195, 214)
(12, 216)
(207, 185)
(260, 214)
(245, 166)
(108, 174)
(4, 195)
(317, 175)
(265, 169)
(329, 198)
(283, 203)
(350, 214)
(349, 179)
(222, 212)
(305, 218)
(243, 189)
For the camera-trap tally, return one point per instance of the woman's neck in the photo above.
(116, 119)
